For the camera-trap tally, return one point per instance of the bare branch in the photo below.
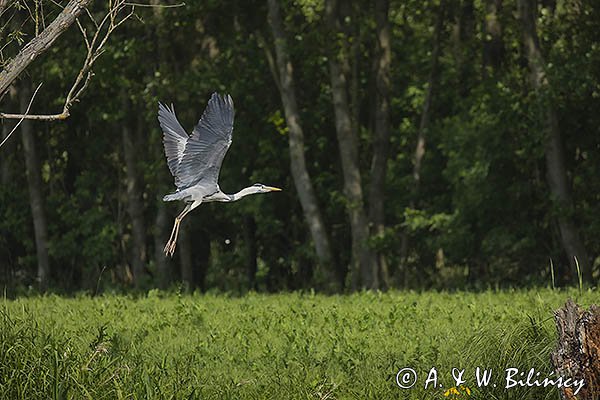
(269, 56)
(85, 85)
(94, 49)
(83, 33)
(41, 43)
(155, 5)
(3, 4)
(22, 117)
(92, 18)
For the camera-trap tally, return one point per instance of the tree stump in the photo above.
(577, 355)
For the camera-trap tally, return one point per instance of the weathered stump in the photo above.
(577, 355)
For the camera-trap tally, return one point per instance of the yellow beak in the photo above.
(273, 189)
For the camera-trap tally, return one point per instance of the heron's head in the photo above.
(260, 188)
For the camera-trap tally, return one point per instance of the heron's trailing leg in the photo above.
(170, 246)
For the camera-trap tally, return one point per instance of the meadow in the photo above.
(166, 345)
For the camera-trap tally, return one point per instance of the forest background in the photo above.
(420, 144)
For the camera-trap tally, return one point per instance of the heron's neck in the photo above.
(243, 193)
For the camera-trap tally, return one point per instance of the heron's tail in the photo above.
(174, 196)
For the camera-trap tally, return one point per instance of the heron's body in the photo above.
(195, 160)
(198, 194)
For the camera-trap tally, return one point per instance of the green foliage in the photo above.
(292, 346)
(483, 215)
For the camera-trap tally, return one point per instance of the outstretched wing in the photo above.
(208, 144)
(174, 138)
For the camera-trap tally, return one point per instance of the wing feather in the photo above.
(206, 147)
(174, 138)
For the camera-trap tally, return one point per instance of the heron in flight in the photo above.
(195, 160)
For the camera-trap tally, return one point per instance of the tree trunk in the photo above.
(302, 181)
(381, 141)
(425, 114)
(493, 46)
(363, 269)
(135, 206)
(462, 38)
(185, 257)
(6, 156)
(161, 232)
(202, 251)
(36, 197)
(424, 125)
(251, 250)
(577, 354)
(163, 220)
(5, 182)
(556, 173)
(5, 164)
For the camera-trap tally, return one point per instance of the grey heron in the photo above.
(195, 160)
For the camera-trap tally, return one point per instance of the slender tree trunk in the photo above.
(462, 36)
(36, 197)
(135, 206)
(8, 150)
(202, 247)
(4, 164)
(425, 113)
(420, 147)
(185, 257)
(362, 270)
(161, 232)
(6, 169)
(251, 250)
(556, 172)
(302, 181)
(381, 140)
(493, 45)
(163, 220)
(6, 155)
(350, 67)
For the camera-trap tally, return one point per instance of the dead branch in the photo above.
(3, 4)
(41, 43)
(156, 5)
(94, 48)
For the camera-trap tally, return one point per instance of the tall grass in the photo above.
(286, 346)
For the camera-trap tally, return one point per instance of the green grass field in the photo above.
(287, 346)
